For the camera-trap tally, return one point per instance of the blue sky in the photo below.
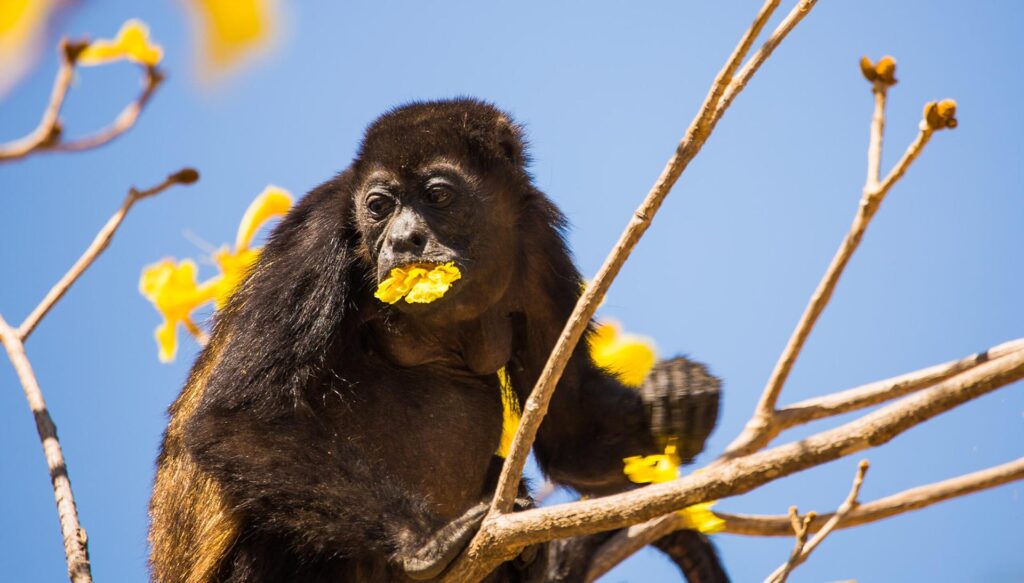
(605, 91)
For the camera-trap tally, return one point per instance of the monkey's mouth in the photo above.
(418, 283)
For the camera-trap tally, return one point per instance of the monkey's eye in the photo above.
(438, 195)
(379, 204)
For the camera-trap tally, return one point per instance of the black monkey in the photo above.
(324, 435)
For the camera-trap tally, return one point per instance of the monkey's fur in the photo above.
(326, 436)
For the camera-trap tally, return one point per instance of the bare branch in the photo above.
(630, 540)
(900, 503)
(48, 134)
(805, 550)
(124, 120)
(799, 526)
(733, 477)
(48, 131)
(758, 431)
(884, 390)
(99, 244)
(697, 134)
(76, 548)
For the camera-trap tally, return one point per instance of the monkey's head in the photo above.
(440, 182)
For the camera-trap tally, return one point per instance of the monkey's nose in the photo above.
(408, 240)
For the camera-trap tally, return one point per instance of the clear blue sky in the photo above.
(605, 91)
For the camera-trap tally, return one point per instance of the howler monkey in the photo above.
(324, 435)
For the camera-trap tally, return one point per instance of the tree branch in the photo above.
(740, 475)
(803, 551)
(884, 390)
(759, 430)
(124, 120)
(896, 504)
(99, 244)
(76, 549)
(49, 133)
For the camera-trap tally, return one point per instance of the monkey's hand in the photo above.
(433, 557)
(681, 398)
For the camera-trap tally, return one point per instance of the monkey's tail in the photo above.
(695, 555)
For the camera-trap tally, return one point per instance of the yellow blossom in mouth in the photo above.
(132, 43)
(417, 284)
(664, 467)
(628, 357)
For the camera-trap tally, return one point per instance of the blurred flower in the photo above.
(172, 287)
(658, 468)
(173, 290)
(416, 284)
(629, 357)
(233, 264)
(510, 413)
(23, 27)
(229, 31)
(132, 43)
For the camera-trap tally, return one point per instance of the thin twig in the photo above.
(696, 135)
(621, 546)
(806, 549)
(48, 135)
(737, 476)
(122, 123)
(48, 131)
(739, 81)
(758, 430)
(799, 525)
(99, 244)
(885, 390)
(76, 548)
(894, 505)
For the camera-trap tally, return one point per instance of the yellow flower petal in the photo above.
(173, 290)
(166, 335)
(629, 357)
(228, 31)
(272, 202)
(233, 268)
(23, 27)
(416, 284)
(700, 518)
(132, 43)
(652, 469)
(510, 413)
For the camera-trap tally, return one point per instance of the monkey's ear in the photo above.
(510, 141)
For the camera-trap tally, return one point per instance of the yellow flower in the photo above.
(658, 468)
(234, 264)
(699, 517)
(416, 284)
(23, 25)
(510, 413)
(230, 30)
(132, 43)
(629, 357)
(653, 469)
(173, 290)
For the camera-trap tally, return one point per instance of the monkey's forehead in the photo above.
(414, 135)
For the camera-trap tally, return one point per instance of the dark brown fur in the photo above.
(326, 436)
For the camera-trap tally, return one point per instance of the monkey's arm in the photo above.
(595, 421)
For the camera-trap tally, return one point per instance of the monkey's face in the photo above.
(438, 212)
